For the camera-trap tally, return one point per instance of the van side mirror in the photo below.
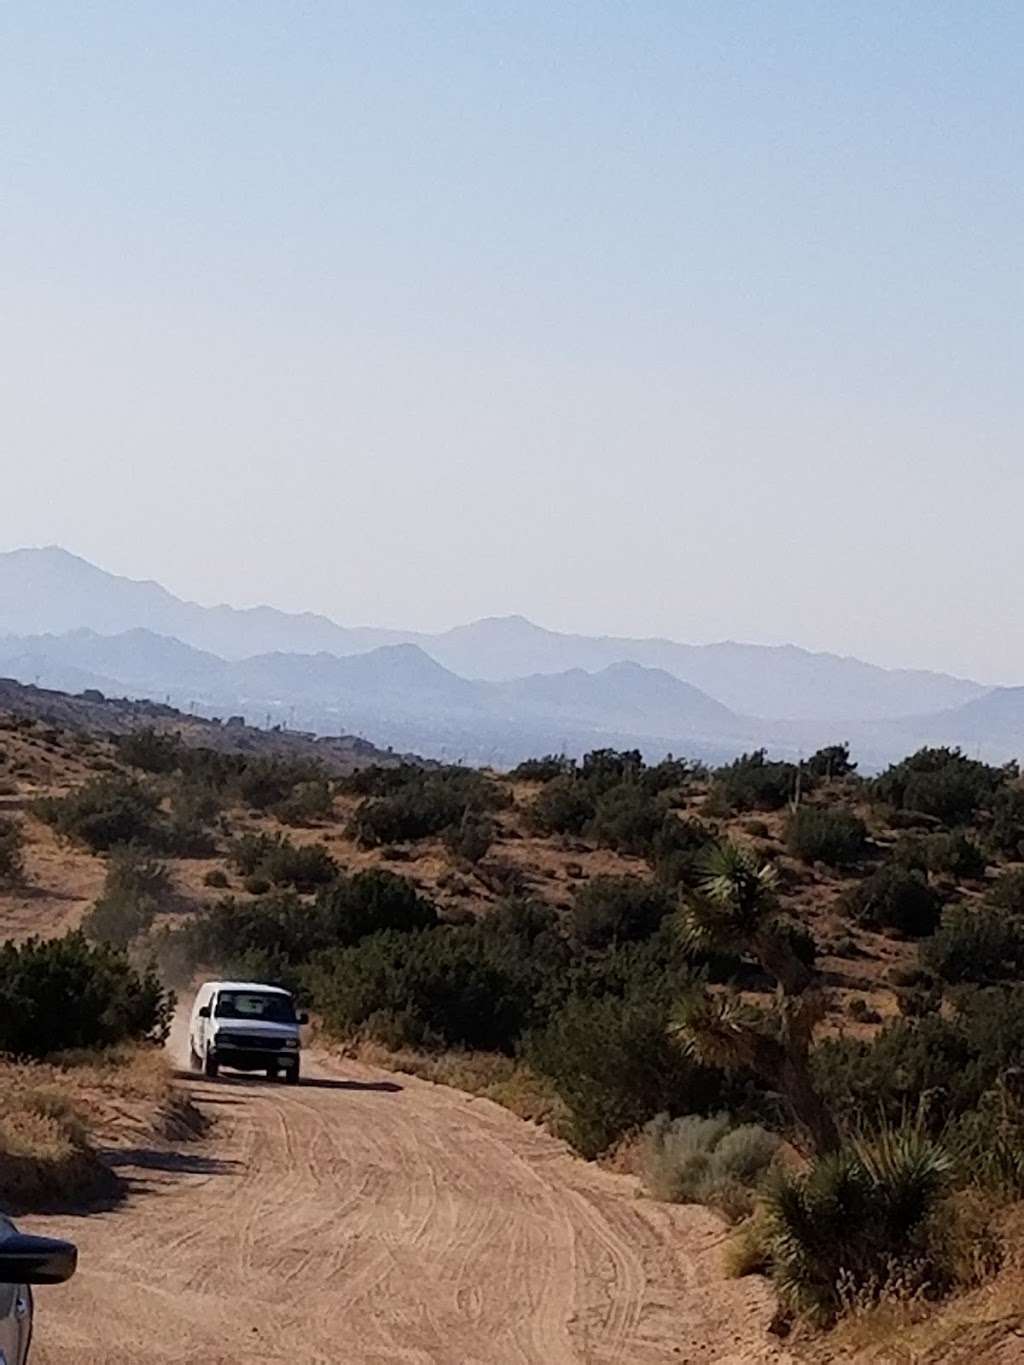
(204, 1011)
(36, 1260)
(303, 1018)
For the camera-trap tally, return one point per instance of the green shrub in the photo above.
(194, 808)
(118, 920)
(149, 750)
(831, 762)
(471, 838)
(976, 943)
(565, 805)
(445, 986)
(425, 804)
(134, 886)
(823, 834)
(283, 932)
(936, 1065)
(216, 877)
(266, 939)
(135, 872)
(377, 780)
(478, 985)
(678, 849)
(798, 939)
(274, 859)
(372, 902)
(955, 855)
(896, 899)
(949, 855)
(1006, 833)
(531, 931)
(307, 804)
(12, 857)
(943, 783)
(614, 1068)
(256, 884)
(302, 866)
(609, 910)
(105, 812)
(658, 969)
(951, 795)
(627, 818)
(988, 1141)
(613, 797)
(64, 993)
(670, 775)
(542, 769)
(267, 782)
(248, 853)
(603, 769)
(859, 1223)
(712, 1161)
(752, 782)
(293, 786)
(211, 770)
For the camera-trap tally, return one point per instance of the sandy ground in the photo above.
(365, 1218)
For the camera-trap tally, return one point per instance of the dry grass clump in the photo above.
(45, 1153)
(748, 1251)
(127, 1094)
(57, 1118)
(489, 1075)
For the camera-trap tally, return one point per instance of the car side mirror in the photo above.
(303, 1018)
(36, 1260)
(204, 1011)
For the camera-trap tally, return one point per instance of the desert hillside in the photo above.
(51, 745)
(741, 986)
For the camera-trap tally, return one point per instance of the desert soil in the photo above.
(367, 1218)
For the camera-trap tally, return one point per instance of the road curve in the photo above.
(364, 1218)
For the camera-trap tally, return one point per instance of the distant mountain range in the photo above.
(491, 691)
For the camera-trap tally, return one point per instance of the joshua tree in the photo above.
(735, 909)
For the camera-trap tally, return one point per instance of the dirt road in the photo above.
(364, 1218)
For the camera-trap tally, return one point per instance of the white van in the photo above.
(245, 1025)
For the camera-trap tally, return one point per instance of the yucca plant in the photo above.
(860, 1220)
(735, 909)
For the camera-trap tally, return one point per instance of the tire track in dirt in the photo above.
(363, 1218)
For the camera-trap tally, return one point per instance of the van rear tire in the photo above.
(291, 1075)
(211, 1067)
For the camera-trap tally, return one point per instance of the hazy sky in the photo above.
(696, 319)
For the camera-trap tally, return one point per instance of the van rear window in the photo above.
(277, 1009)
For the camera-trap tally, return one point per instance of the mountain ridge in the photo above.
(53, 591)
(399, 694)
(393, 694)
